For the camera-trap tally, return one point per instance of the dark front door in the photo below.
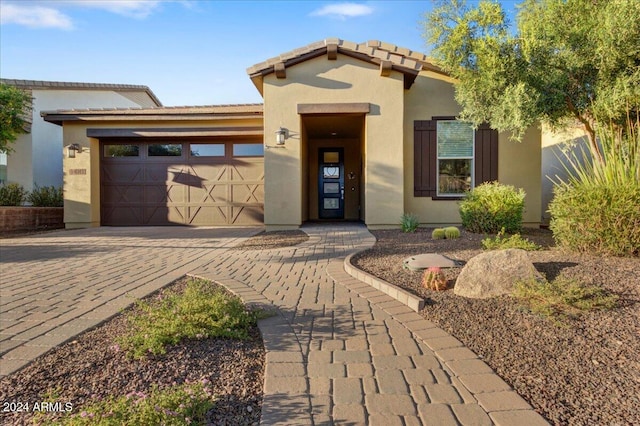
(331, 183)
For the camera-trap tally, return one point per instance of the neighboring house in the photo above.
(347, 131)
(37, 156)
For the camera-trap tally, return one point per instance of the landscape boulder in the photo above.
(494, 273)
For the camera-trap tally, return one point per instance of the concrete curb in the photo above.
(401, 295)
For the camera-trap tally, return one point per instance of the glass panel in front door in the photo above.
(331, 183)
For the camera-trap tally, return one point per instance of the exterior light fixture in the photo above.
(71, 150)
(282, 135)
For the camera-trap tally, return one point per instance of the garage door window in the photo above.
(248, 150)
(121, 151)
(165, 150)
(207, 150)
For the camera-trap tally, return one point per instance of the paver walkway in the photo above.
(338, 351)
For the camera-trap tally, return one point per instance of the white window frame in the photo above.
(438, 158)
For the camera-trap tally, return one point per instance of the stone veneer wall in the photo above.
(31, 218)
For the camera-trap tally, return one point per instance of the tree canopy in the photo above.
(565, 60)
(15, 105)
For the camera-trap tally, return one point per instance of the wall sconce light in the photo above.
(71, 150)
(282, 135)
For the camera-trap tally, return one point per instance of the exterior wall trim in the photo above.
(335, 108)
(174, 132)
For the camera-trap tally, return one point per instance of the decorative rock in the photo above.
(424, 261)
(494, 273)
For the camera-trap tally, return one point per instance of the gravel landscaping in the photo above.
(581, 371)
(93, 367)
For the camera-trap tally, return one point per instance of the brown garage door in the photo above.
(185, 183)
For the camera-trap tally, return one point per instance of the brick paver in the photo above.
(338, 350)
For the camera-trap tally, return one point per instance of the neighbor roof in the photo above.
(386, 55)
(66, 85)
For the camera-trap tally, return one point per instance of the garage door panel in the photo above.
(210, 214)
(247, 193)
(209, 193)
(246, 171)
(123, 173)
(122, 194)
(247, 215)
(186, 190)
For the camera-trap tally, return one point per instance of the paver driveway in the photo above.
(53, 286)
(338, 351)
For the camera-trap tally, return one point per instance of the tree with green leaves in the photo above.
(567, 60)
(15, 106)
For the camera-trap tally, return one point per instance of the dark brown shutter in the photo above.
(424, 158)
(486, 154)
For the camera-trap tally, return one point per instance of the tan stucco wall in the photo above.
(573, 139)
(518, 163)
(345, 80)
(82, 191)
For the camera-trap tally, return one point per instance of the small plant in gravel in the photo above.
(492, 206)
(438, 234)
(200, 311)
(501, 242)
(451, 232)
(563, 298)
(409, 222)
(433, 279)
(181, 405)
(12, 195)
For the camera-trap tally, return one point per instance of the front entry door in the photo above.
(331, 183)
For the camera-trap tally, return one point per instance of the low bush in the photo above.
(438, 234)
(200, 311)
(451, 232)
(597, 209)
(563, 298)
(491, 206)
(500, 242)
(46, 196)
(181, 405)
(409, 222)
(12, 195)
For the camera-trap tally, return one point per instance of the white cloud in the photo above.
(343, 10)
(49, 14)
(131, 8)
(34, 16)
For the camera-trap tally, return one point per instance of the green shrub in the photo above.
(563, 298)
(409, 222)
(491, 206)
(514, 241)
(438, 234)
(597, 209)
(451, 232)
(46, 196)
(12, 195)
(200, 311)
(180, 405)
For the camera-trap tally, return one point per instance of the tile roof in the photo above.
(67, 85)
(374, 51)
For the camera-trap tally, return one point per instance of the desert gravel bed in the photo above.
(583, 371)
(92, 366)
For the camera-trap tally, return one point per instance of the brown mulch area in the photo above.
(92, 366)
(273, 240)
(582, 371)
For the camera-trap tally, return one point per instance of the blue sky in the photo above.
(188, 52)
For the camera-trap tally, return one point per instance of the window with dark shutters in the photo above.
(425, 157)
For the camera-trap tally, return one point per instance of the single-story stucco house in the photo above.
(36, 158)
(347, 131)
